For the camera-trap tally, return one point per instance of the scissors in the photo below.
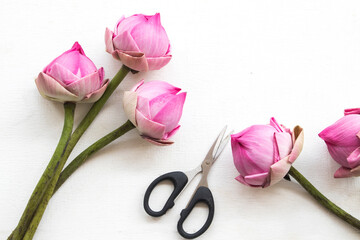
(201, 194)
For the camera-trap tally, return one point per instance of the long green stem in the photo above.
(49, 172)
(84, 124)
(325, 202)
(99, 144)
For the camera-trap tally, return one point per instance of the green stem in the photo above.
(325, 202)
(84, 124)
(49, 172)
(99, 144)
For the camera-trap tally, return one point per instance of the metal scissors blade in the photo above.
(218, 146)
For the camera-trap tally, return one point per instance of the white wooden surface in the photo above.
(241, 62)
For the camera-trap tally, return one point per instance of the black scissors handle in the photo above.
(202, 194)
(179, 179)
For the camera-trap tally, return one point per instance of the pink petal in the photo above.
(351, 111)
(149, 128)
(158, 103)
(126, 24)
(284, 143)
(343, 132)
(135, 88)
(151, 37)
(130, 102)
(155, 63)
(275, 124)
(253, 149)
(62, 74)
(85, 85)
(133, 60)
(125, 42)
(153, 89)
(298, 146)
(172, 132)
(279, 169)
(242, 180)
(50, 88)
(94, 96)
(75, 61)
(143, 106)
(171, 113)
(354, 158)
(342, 172)
(340, 154)
(257, 179)
(109, 41)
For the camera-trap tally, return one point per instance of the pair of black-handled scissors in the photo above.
(201, 194)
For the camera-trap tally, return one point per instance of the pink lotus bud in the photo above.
(263, 154)
(72, 77)
(343, 142)
(155, 109)
(140, 42)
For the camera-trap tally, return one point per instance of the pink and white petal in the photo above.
(115, 55)
(135, 88)
(171, 113)
(259, 179)
(354, 158)
(61, 74)
(134, 60)
(51, 89)
(171, 133)
(157, 141)
(275, 124)
(343, 172)
(279, 169)
(118, 23)
(351, 111)
(298, 145)
(96, 95)
(85, 85)
(109, 40)
(284, 143)
(143, 106)
(148, 127)
(242, 180)
(153, 89)
(125, 42)
(157, 63)
(130, 102)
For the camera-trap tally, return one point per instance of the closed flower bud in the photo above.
(72, 77)
(140, 42)
(343, 142)
(155, 108)
(263, 154)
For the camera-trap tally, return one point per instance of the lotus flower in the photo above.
(72, 77)
(140, 42)
(155, 108)
(343, 142)
(263, 154)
